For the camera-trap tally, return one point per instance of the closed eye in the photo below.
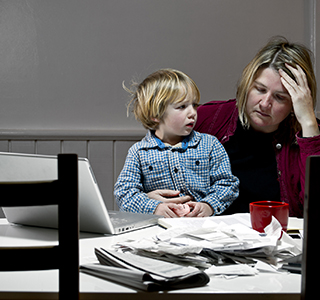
(283, 97)
(280, 97)
(260, 89)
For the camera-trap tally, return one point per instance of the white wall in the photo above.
(62, 63)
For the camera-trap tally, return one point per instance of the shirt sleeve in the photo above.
(224, 186)
(128, 190)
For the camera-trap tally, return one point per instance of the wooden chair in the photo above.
(310, 253)
(65, 256)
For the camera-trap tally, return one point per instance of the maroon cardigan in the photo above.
(219, 118)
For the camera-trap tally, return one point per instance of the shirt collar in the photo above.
(183, 145)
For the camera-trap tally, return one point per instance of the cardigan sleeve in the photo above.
(218, 118)
(308, 146)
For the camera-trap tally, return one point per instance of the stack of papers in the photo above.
(217, 247)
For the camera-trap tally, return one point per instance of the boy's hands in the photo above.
(200, 209)
(167, 210)
(173, 206)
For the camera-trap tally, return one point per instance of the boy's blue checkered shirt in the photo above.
(199, 167)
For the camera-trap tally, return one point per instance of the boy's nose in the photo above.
(193, 112)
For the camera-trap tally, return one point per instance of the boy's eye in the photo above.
(184, 106)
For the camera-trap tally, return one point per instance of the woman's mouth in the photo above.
(262, 113)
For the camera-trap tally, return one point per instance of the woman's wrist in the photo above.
(310, 128)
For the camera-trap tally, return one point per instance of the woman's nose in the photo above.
(266, 101)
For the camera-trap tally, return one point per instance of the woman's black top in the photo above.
(253, 161)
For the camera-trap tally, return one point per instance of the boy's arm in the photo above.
(128, 190)
(224, 187)
(171, 196)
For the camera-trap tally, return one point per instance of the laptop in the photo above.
(300, 263)
(93, 214)
(310, 254)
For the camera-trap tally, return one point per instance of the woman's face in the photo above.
(268, 102)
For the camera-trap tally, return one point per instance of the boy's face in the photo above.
(178, 121)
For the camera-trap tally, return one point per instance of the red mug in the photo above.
(261, 213)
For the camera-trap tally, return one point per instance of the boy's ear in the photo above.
(155, 120)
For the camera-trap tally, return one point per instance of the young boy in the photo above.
(172, 156)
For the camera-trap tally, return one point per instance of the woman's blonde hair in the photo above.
(275, 55)
(152, 96)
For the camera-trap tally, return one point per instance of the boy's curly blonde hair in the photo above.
(152, 96)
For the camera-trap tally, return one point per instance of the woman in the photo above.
(270, 128)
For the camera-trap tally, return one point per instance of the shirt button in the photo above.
(278, 146)
(150, 168)
(197, 163)
(279, 173)
(176, 170)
